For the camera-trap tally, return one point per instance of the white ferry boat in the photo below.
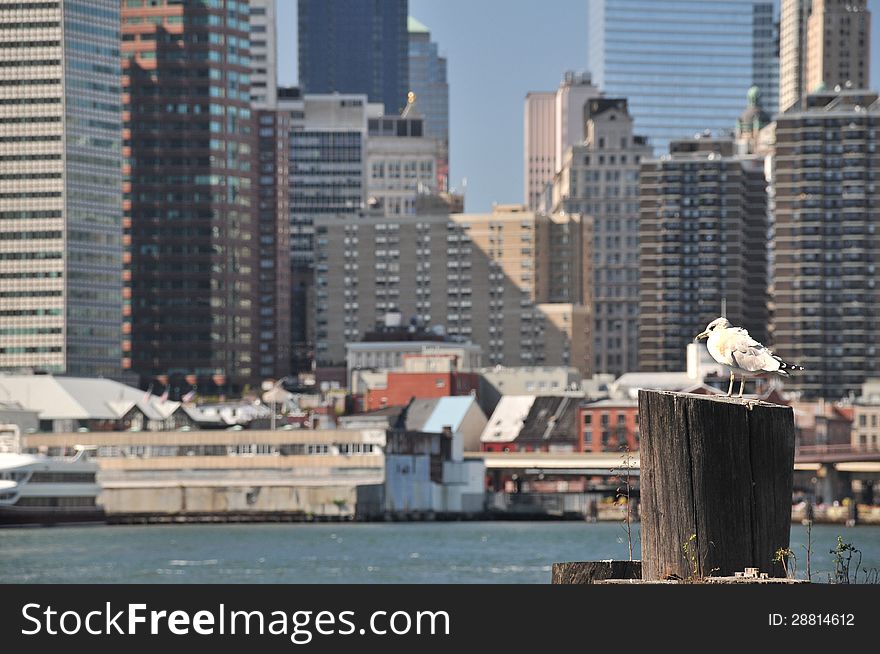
(45, 490)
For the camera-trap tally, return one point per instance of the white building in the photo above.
(425, 468)
(401, 162)
(60, 187)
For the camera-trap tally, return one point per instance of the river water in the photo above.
(451, 552)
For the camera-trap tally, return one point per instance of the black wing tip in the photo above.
(785, 366)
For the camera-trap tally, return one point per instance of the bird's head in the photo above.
(718, 323)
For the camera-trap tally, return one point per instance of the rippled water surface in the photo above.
(459, 552)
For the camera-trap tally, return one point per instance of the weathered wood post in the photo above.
(716, 482)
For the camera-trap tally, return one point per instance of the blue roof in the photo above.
(449, 411)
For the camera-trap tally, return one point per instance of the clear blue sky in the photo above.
(498, 50)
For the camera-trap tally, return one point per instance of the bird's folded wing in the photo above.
(754, 358)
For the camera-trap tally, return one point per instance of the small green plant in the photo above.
(843, 555)
(785, 556)
(697, 564)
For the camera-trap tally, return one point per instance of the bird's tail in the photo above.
(785, 367)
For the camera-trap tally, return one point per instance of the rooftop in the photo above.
(413, 25)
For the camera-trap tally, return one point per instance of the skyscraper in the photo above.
(272, 332)
(189, 148)
(60, 187)
(823, 43)
(263, 51)
(684, 66)
(703, 245)
(600, 178)
(539, 145)
(327, 162)
(352, 46)
(826, 301)
(553, 122)
(427, 79)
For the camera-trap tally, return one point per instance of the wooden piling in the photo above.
(590, 572)
(716, 482)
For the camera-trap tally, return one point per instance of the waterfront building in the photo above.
(553, 122)
(238, 475)
(352, 47)
(61, 253)
(703, 247)
(66, 404)
(189, 220)
(427, 80)
(826, 232)
(497, 381)
(684, 66)
(819, 425)
(866, 417)
(609, 425)
(533, 423)
(823, 43)
(512, 281)
(263, 52)
(599, 177)
(425, 469)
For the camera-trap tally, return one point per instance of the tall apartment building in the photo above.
(826, 241)
(823, 43)
(427, 79)
(60, 187)
(190, 224)
(263, 51)
(401, 163)
(703, 245)
(600, 178)
(553, 122)
(272, 330)
(355, 47)
(684, 66)
(483, 277)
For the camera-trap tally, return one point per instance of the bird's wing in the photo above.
(734, 347)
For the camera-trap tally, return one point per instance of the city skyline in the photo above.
(491, 159)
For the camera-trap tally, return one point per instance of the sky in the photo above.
(497, 51)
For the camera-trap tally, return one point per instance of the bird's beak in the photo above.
(701, 336)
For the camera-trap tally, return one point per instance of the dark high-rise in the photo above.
(827, 241)
(188, 146)
(702, 246)
(355, 46)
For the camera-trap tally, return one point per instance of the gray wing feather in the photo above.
(755, 357)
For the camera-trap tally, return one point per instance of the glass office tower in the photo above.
(685, 66)
(353, 46)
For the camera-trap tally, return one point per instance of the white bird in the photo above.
(741, 354)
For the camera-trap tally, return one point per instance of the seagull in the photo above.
(733, 347)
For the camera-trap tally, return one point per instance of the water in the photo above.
(459, 552)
